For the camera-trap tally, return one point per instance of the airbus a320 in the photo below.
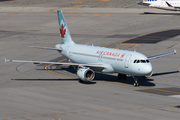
(86, 58)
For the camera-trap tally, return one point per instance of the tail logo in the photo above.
(62, 31)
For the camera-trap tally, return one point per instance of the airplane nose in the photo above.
(148, 70)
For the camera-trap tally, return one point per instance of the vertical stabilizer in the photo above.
(63, 29)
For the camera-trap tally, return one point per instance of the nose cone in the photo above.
(144, 69)
(148, 70)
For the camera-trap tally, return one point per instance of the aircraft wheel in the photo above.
(124, 76)
(120, 76)
(136, 84)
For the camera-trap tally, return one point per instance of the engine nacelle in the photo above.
(86, 74)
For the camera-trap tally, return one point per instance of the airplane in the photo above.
(162, 4)
(86, 59)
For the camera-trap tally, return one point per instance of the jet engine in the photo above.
(85, 74)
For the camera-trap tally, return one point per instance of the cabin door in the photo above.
(127, 60)
(100, 58)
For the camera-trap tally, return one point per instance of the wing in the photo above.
(48, 48)
(145, 4)
(161, 55)
(56, 63)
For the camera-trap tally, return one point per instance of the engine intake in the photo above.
(86, 74)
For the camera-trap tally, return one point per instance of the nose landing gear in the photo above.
(136, 84)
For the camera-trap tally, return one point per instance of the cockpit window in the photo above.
(147, 61)
(141, 61)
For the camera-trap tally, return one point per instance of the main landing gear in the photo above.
(120, 76)
(136, 84)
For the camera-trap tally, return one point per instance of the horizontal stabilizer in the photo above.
(48, 48)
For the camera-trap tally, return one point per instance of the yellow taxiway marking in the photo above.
(55, 7)
(119, 42)
(90, 2)
(11, 13)
(132, 44)
(77, 2)
(105, 0)
(80, 5)
(56, 119)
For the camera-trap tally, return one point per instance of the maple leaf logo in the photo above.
(122, 55)
(62, 31)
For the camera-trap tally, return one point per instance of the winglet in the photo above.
(5, 60)
(175, 51)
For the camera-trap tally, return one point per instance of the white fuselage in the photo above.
(114, 60)
(162, 4)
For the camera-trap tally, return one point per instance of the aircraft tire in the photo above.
(120, 76)
(124, 76)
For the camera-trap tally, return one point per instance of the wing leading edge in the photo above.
(161, 55)
(56, 63)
